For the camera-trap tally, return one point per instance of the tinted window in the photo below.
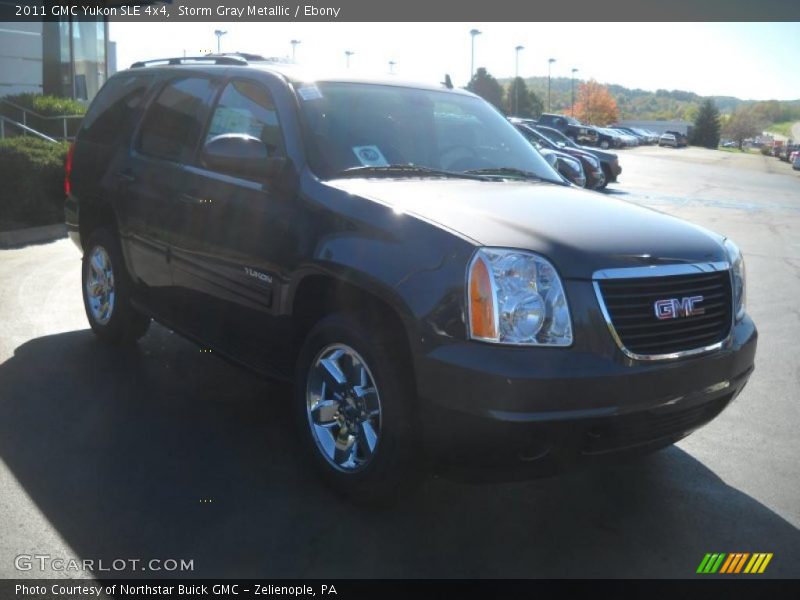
(174, 122)
(110, 115)
(246, 107)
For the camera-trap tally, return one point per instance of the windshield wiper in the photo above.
(507, 172)
(400, 170)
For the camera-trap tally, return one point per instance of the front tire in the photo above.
(354, 410)
(107, 292)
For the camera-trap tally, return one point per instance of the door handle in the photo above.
(125, 176)
(190, 199)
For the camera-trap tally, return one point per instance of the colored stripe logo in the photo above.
(733, 563)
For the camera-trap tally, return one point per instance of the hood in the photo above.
(600, 153)
(579, 231)
(578, 152)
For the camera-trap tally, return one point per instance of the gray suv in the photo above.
(431, 287)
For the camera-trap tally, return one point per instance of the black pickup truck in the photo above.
(572, 128)
(406, 259)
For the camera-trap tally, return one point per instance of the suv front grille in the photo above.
(630, 307)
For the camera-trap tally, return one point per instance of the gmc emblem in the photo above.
(672, 308)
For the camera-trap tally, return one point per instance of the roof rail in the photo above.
(181, 60)
(244, 55)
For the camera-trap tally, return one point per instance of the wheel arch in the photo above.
(95, 214)
(319, 294)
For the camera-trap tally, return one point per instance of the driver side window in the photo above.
(246, 107)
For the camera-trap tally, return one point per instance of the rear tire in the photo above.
(355, 411)
(107, 289)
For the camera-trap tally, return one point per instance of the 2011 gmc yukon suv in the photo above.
(405, 257)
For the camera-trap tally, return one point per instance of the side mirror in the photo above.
(240, 154)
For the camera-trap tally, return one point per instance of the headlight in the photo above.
(516, 297)
(737, 278)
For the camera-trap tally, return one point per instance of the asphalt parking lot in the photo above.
(165, 452)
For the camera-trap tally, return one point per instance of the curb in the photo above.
(32, 235)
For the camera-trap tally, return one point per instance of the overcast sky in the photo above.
(747, 60)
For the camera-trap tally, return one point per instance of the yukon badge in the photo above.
(672, 308)
(258, 275)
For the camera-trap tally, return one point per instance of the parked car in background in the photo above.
(572, 128)
(651, 136)
(680, 138)
(568, 167)
(609, 161)
(641, 138)
(796, 161)
(668, 139)
(628, 139)
(608, 139)
(786, 152)
(794, 156)
(595, 178)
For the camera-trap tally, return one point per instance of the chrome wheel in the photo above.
(343, 408)
(99, 284)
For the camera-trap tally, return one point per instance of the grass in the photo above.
(784, 128)
(737, 151)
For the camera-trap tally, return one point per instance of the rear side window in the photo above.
(173, 123)
(247, 107)
(110, 115)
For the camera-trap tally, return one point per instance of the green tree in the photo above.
(520, 101)
(536, 104)
(745, 122)
(706, 125)
(487, 87)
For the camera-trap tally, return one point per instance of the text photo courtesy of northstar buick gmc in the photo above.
(402, 254)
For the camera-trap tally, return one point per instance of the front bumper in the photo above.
(498, 405)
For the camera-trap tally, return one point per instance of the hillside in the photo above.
(661, 104)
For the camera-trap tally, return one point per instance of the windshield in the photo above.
(361, 125)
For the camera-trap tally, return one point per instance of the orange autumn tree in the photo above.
(594, 104)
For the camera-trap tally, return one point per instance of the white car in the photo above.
(668, 139)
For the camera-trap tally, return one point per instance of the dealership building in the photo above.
(660, 127)
(69, 57)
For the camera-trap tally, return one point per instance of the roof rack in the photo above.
(245, 55)
(217, 60)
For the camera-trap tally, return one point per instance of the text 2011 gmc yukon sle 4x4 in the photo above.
(407, 259)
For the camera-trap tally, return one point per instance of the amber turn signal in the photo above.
(481, 302)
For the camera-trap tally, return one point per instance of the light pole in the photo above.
(294, 47)
(219, 33)
(473, 33)
(572, 86)
(348, 54)
(550, 62)
(391, 67)
(516, 78)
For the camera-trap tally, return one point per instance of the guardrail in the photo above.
(8, 121)
(27, 111)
